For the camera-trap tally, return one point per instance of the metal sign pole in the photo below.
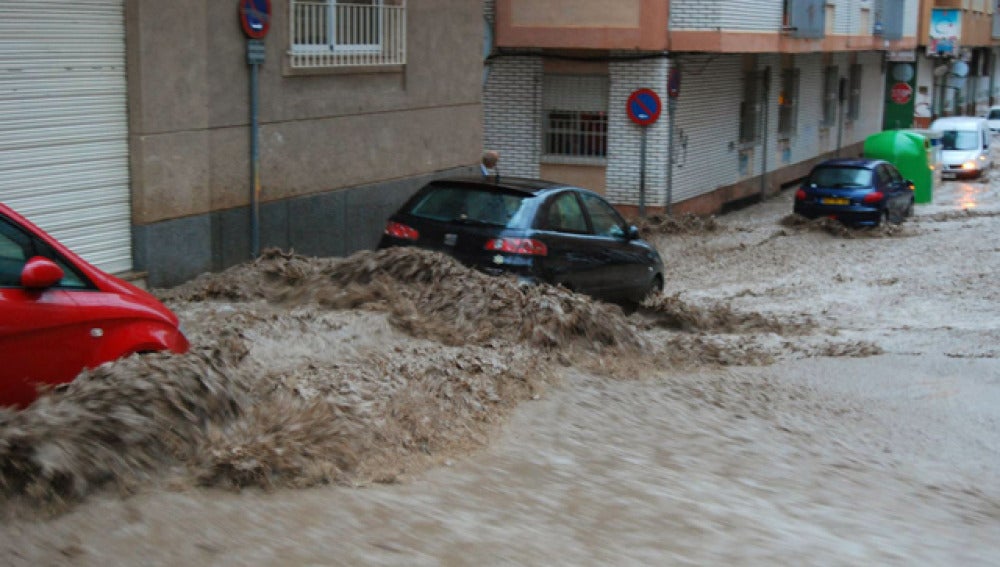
(672, 109)
(255, 57)
(255, 18)
(642, 176)
(254, 164)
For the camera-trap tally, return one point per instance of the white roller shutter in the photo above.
(64, 125)
(584, 93)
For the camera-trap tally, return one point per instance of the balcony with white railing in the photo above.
(360, 33)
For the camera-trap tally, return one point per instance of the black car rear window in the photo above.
(462, 204)
(841, 176)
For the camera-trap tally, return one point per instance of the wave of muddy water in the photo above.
(781, 400)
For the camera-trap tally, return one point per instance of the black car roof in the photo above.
(517, 184)
(866, 163)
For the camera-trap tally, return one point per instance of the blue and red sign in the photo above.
(644, 107)
(255, 17)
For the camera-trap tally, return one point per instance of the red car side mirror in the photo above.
(40, 273)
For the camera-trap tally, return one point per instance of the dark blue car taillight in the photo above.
(873, 197)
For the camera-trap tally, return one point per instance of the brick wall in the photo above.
(695, 14)
(625, 137)
(512, 113)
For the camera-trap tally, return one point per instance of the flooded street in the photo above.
(802, 394)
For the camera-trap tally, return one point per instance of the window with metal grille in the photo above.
(854, 93)
(750, 107)
(788, 103)
(575, 116)
(333, 33)
(831, 85)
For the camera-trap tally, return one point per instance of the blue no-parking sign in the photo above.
(255, 17)
(644, 107)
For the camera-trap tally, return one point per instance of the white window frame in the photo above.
(347, 33)
(575, 127)
(332, 43)
(357, 47)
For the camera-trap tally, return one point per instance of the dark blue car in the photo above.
(866, 192)
(536, 230)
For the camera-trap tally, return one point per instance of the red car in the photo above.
(60, 315)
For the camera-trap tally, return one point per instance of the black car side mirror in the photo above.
(633, 232)
(910, 185)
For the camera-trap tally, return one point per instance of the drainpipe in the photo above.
(841, 96)
(991, 65)
(766, 87)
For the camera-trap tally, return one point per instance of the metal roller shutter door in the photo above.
(64, 124)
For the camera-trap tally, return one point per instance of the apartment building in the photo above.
(958, 61)
(767, 89)
(125, 125)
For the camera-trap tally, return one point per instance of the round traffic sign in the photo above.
(901, 93)
(255, 17)
(644, 107)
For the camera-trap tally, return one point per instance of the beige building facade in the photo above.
(359, 104)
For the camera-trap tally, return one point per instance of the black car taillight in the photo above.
(401, 231)
(523, 246)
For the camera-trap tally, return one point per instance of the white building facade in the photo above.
(757, 104)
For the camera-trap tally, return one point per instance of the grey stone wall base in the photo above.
(335, 223)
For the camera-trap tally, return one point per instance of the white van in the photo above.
(965, 145)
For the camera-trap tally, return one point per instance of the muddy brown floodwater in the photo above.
(801, 393)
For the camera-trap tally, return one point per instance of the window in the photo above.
(17, 246)
(831, 86)
(854, 93)
(604, 218)
(960, 140)
(841, 177)
(576, 116)
(13, 255)
(334, 33)
(884, 177)
(565, 215)
(750, 107)
(473, 206)
(788, 103)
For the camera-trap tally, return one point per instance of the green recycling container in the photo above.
(911, 153)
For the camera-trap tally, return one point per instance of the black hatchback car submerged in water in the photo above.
(536, 230)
